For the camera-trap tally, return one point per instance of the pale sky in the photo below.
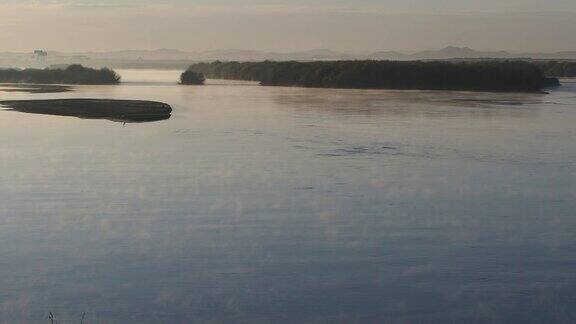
(287, 25)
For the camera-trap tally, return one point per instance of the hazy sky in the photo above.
(287, 25)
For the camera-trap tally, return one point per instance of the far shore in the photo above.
(507, 76)
(73, 74)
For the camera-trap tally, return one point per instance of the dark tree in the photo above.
(74, 74)
(559, 69)
(192, 78)
(423, 75)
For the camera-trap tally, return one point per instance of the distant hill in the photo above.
(450, 52)
(174, 58)
(224, 54)
(459, 52)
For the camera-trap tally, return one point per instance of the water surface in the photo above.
(269, 204)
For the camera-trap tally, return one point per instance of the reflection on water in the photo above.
(425, 103)
(256, 204)
(34, 88)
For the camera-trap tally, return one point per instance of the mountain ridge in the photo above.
(177, 59)
(449, 52)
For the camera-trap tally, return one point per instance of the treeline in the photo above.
(73, 74)
(480, 76)
(559, 69)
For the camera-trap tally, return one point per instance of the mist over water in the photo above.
(271, 204)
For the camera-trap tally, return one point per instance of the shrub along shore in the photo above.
(192, 78)
(74, 74)
(517, 76)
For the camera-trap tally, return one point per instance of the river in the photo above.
(290, 205)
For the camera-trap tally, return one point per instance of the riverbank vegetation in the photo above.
(192, 78)
(73, 74)
(558, 69)
(476, 76)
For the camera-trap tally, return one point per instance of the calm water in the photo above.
(256, 204)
